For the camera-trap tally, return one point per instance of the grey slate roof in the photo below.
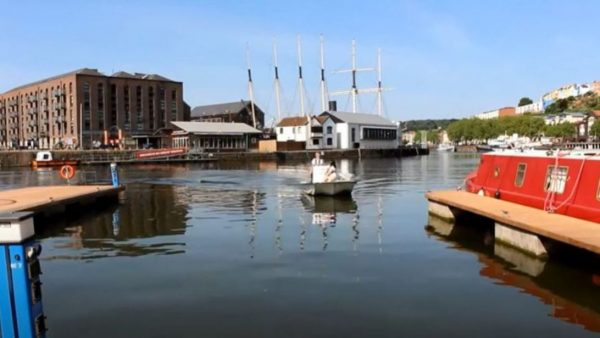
(95, 72)
(359, 118)
(215, 128)
(123, 74)
(84, 71)
(219, 109)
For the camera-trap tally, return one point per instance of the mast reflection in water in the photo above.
(237, 250)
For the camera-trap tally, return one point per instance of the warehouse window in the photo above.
(521, 168)
(556, 179)
(379, 134)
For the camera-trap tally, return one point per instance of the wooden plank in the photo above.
(577, 232)
(39, 198)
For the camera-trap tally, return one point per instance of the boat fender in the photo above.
(481, 192)
(67, 172)
(497, 194)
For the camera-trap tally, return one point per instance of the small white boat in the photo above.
(445, 147)
(341, 185)
(332, 188)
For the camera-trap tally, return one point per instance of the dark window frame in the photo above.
(548, 182)
(519, 183)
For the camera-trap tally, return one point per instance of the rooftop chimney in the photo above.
(332, 105)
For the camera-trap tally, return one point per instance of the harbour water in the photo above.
(239, 251)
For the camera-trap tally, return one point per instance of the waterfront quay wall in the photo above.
(335, 154)
(23, 158)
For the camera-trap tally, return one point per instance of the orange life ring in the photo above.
(67, 172)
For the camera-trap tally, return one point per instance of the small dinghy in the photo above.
(342, 184)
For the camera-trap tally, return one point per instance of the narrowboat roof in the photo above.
(588, 154)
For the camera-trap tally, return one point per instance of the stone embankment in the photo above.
(23, 158)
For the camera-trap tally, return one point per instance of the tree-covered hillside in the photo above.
(428, 124)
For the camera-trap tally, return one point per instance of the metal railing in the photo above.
(581, 145)
(108, 156)
(47, 177)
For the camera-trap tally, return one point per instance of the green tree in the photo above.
(525, 101)
(476, 129)
(432, 136)
(455, 131)
(595, 130)
(562, 130)
(560, 105)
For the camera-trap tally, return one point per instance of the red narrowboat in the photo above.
(563, 182)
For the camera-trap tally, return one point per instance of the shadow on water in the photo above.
(127, 229)
(568, 283)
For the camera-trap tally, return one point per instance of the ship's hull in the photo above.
(564, 184)
(332, 188)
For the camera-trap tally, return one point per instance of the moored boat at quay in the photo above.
(45, 159)
(563, 182)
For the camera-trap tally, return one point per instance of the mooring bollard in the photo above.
(114, 174)
(21, 311)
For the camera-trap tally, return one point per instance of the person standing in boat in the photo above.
(331, 174)
(317, 160)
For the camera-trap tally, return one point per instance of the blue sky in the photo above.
(441, 58)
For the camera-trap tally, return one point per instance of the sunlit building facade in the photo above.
(86, 107)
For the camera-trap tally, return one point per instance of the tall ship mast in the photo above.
(277, 83)
(354, 91)
(300, 77)
(250, 87)
(324, 96)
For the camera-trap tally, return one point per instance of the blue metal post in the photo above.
(114, 173)
(7, 319)
(25, 274)
(21, 312)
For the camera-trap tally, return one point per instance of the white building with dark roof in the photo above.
(358, 131)
(215, 136)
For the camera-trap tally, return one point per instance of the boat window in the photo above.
(521, 168)
(556, 178)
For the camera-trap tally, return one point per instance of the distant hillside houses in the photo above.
(496, 113)
(540, 105)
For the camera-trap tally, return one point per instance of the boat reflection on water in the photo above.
(325, 208)
(573, 302)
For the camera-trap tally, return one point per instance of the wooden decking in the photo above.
(576, 232)
(40, 199)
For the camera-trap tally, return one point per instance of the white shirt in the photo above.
(316, 161)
